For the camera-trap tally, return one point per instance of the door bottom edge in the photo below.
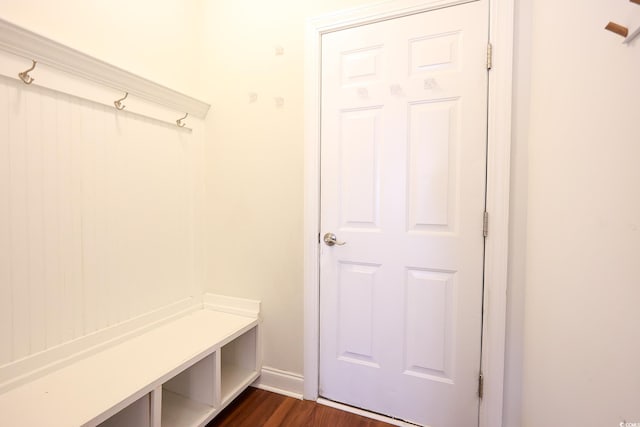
(366, 413)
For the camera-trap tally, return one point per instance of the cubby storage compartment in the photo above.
(188, 399)
(179, 373)
(239, 364)
(137, 414)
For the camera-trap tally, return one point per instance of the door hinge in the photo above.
(318, 238)
(485, 224)
(489, 56)
(480, 386)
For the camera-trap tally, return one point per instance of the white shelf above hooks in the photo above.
(34, 47)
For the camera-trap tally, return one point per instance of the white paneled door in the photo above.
(404, 116)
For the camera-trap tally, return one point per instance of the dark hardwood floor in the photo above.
(255, 408)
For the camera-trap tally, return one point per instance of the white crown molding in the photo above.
(22, 42)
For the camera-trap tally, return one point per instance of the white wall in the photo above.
(582, 274)
(254, 161)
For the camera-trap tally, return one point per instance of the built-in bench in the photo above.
(181, 373)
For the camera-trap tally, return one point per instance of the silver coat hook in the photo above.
(180, 122)
(25, 77)
(118, 102)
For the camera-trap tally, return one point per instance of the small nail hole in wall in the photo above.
(430, 84)
(396, 90)
(279, 50)
(279, 101)
(253, 97)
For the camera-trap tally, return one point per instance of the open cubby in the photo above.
(239, 365)
(136, 414)
(189, 397)
(196, 394)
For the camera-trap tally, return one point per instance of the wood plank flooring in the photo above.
(256, 408)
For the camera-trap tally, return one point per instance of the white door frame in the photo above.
(498, 177)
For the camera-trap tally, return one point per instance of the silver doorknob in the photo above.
(330, 239)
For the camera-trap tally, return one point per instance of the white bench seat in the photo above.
(97, 387)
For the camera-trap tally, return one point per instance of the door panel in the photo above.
(359, 145)
(428, 321)
(355, 316)
(432, 164)
(402, 184)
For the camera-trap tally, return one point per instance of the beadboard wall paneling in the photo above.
(98, 210)
(6, 312)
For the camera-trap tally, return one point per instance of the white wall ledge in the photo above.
(232, 305)
(29, 45)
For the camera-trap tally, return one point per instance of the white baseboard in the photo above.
(281, 382)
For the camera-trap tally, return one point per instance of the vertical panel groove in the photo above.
(6, 294)
(52, 247)
(18, 213)
(34, 132)
(64, 200)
